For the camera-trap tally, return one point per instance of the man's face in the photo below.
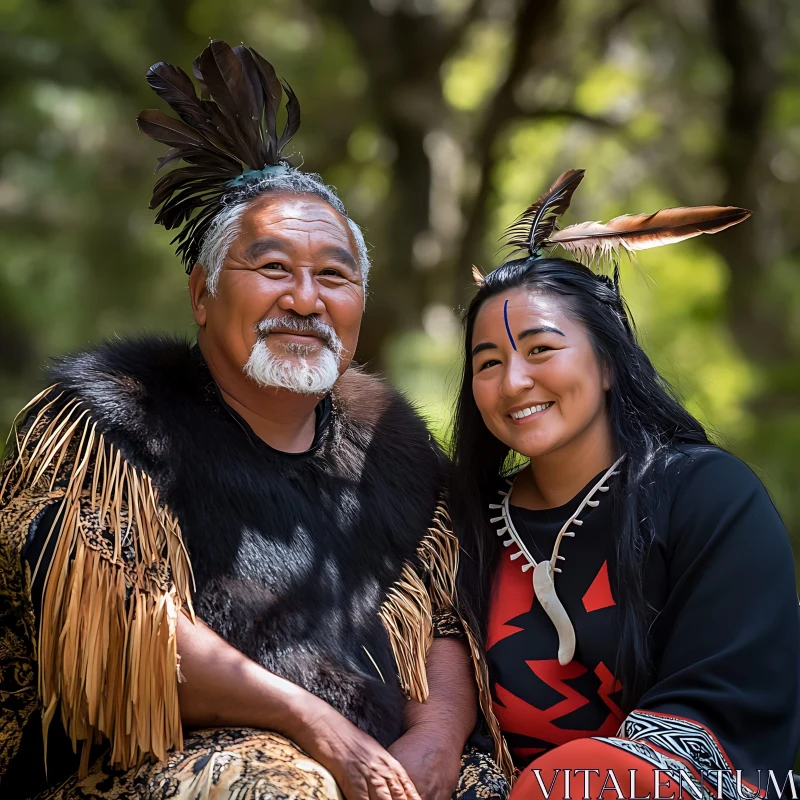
(290, 296)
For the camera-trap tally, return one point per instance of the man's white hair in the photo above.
(227, 224)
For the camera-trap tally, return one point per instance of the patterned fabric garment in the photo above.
(725, 640)
(226, 763)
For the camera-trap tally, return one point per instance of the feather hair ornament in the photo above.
(536, 224)
(478, 275)
(226, 137)
(588, 240)
(537, 227)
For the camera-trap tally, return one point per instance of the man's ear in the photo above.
(198, 292)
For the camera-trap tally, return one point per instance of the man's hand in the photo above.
(433, 763)
(361, 767)
(225, 688)
(430, 749)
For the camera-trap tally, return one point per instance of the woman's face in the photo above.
(536, 379)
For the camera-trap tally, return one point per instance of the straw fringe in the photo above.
(502, 755)
(118, 579)
(407, 615)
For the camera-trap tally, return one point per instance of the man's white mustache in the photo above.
(301, 325)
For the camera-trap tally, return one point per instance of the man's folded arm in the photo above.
(223, 687)
(452, 707)
(437, 729)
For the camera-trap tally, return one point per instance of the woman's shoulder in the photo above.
(710, 470)
(714, 493)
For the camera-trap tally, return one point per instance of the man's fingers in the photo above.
(410, 790)
(399, 788)
(399, 773)
(379, 790)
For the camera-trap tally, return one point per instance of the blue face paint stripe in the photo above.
(508, 327)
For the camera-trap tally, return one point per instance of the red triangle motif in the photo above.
(512, 595)
(598, 595)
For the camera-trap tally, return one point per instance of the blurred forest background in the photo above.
(439, 121)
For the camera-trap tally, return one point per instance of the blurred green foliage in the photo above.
(439, 121)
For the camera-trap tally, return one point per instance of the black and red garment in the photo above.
(725, 695)
(719, 714)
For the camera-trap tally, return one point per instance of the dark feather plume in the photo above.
(230, 127)
(292, 117)
(536, 224)
(273, 92)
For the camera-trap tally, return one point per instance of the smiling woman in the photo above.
(546, 369)
(605, 579)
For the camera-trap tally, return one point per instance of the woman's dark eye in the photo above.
(540, 348)
(489, 363)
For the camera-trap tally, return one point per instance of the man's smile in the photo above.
(301, 336)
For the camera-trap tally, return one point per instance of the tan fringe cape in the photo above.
(119, 577)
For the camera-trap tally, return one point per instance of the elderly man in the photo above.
(234, 554)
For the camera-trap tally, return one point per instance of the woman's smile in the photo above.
(521, 416)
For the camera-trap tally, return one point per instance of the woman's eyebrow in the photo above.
(479, 348)
(542, 329)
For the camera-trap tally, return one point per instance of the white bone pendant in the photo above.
(545, 592)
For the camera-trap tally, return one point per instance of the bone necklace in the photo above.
(544, 571)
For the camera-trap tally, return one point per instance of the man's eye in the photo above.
(274, 265)
(331, 271)
(541, 348)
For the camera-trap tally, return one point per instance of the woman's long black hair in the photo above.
(647, 422)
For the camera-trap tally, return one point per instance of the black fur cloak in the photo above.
(324, 566)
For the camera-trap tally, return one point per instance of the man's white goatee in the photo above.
(295, 373)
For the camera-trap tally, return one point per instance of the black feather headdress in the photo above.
(226, 137)
(537, 227)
